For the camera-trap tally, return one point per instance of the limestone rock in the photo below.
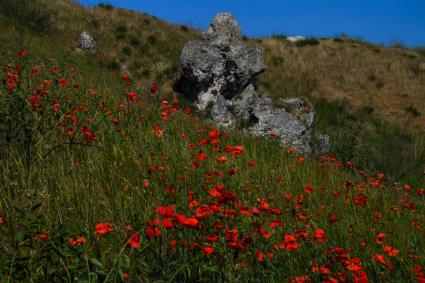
(87, 42)
(218, 75)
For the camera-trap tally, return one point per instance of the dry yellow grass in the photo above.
(388, 79)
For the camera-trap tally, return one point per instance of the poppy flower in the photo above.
(309, 188)
(290, 242)
(125, 276)
(212, 238)
(207, 250)
(319, 235)
(42, 236)
(77, 241)
(23, 53)
(222, 159)
(132, 96)
(202, 156)
(260, 255)
(103, 228)
(333, 218)
(300, 160)
(379, 238)
(379, 258)
(360, 200)
(153, 232)
(252, 163)
(360, 277)
(154, 88)
(390, 251)
(63, 82)
(134, 240)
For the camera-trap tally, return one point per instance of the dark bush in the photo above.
(279, 36)
(28, 14)
(276, 60)
(114, 65)
(106, 6)
(152, 39)
(122, 29)
(134, 40)
(126, 51)
(308, 41)
(184, 28)
(413, 111)
(338, 39)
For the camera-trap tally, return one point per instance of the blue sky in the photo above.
(378, 21)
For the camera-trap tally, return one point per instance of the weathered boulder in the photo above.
(218, 63)
(218, 75)
(87, 42)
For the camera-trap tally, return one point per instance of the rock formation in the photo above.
(87, 42)
(218, 76)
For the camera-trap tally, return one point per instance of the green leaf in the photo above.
(96, 263)
(20, 236)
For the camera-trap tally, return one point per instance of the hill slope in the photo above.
(107, 180)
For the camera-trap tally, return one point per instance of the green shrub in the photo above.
(413, 111)
(134, 40)
(279, 36)
(106, 6)
(122, 29)
(306, 42)
(126, 51)
(152, 39)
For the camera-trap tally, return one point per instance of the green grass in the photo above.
(55, 189)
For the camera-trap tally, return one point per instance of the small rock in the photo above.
(87, 42)
(295, 38)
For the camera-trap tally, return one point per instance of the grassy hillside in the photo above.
(368, 98)
(106, 179)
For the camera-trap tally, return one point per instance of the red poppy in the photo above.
(333, 218)
(379, 238)
(77, 241)
(309, 188)
(63, 82)
(207, 250)
(42, 236)
(153, 232)
(23, 53)
(134, 240)
(360, 200)
(319, 235)
(222, 159)
(154, 88)
(360, 277)
(390, 251)
(132, 96)
(103, 228)
(290, 242)
(379, 258)
(202, 156)
(260, 255)
(252, 163)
